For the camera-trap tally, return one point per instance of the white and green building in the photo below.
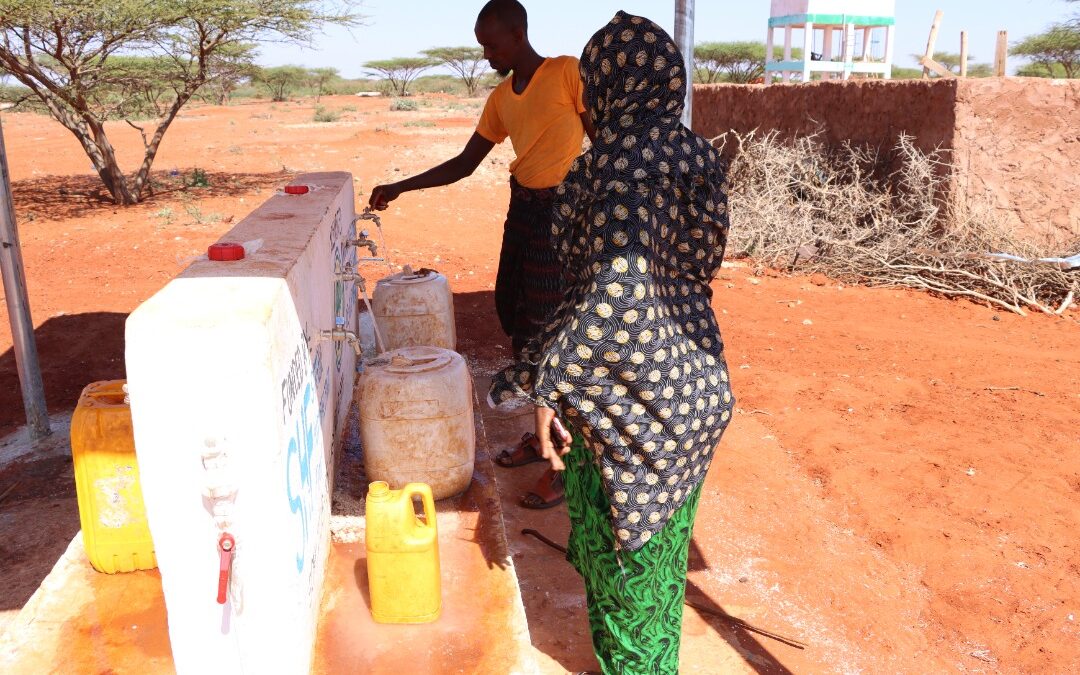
(838, 38)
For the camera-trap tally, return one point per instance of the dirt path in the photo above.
(925, 446)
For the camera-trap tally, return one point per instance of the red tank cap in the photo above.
(297, 189)
(225, 252)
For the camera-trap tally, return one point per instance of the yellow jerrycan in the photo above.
(111, 510)
(402, 555)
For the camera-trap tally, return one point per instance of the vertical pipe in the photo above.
(684, 38)
(18, 307)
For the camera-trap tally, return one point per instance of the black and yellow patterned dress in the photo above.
(633, 359)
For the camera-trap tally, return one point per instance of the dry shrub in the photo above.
(883, 219)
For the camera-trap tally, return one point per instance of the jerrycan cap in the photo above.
(412, 360)
(225, 251)
(408, 276)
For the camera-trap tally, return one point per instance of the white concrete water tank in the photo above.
(416, 419)
(414, 309)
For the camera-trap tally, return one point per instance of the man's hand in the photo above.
(382, 195)
(545, 423)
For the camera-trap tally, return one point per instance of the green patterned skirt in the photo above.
(635, 598)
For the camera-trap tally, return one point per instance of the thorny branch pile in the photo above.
(882, 218)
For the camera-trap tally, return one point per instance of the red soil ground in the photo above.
(938, 439)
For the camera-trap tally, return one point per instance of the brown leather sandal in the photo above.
(525, 452)
(549, 492)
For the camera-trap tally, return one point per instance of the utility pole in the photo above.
(684, 39)
(18, 308)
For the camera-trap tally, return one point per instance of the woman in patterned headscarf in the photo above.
(633, 359)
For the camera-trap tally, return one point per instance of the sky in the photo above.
(405, 27)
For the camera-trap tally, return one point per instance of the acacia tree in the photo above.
(467, 62)
(738, 62)
(235, 66)
(1056, 50)
(280, 81)
(320, 80)
(68, 53)
(400, 72)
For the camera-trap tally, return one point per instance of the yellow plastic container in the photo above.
(111, 511)
(402, 555)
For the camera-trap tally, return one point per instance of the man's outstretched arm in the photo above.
(450, 171)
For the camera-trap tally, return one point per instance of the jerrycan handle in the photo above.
(423, 490)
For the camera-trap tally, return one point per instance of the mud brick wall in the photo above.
(1014, 141)
(1017, 141)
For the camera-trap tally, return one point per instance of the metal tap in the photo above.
(349, 274)
(365, 241)
(339, 334)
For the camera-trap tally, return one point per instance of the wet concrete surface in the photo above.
(482, 628)
(511, 604)
(81, 621)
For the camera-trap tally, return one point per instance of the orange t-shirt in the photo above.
(543, 122)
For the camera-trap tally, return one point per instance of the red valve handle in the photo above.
(226, 546)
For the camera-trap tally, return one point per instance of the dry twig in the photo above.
(1029, 391)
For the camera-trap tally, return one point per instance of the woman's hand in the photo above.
(545, 424)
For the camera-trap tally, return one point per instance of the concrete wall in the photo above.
(1014, 140)
(238, 406)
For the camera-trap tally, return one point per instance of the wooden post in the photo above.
(1002, 54)
(936, 68)
(932, 41)
(963, 53)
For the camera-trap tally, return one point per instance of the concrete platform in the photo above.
(513, 605)
(80, 621)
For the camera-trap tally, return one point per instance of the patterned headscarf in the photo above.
(633, 358)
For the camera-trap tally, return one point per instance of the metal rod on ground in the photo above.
(18, 307)
(684, 38)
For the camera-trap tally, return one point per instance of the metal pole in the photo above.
(18, 307)
(684, 38)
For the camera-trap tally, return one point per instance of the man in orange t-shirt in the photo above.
(540, 110)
